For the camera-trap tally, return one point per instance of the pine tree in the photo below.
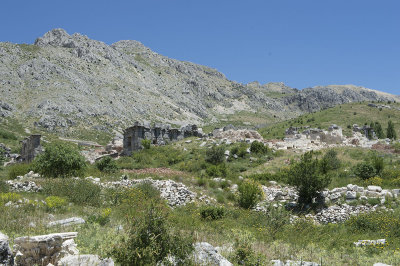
(378, 130)
(391, 133)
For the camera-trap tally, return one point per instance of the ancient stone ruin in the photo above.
(159, 134)
(30, 148)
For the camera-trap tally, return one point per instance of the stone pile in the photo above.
(278, 193)
(73, 260)
(23, 186)
(175, 193)
(44, 249)
(237, 135)
(340, 213)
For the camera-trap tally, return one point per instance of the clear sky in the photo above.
(300, 42)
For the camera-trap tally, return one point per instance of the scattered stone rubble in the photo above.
(30, 175)
(23, 186)
(362, 243)
(206, 254)
(237, 135)
(337, 213)
(175, 193)
(73, 260)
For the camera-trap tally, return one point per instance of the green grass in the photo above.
(343, 115)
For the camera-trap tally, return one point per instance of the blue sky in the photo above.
(302, 43)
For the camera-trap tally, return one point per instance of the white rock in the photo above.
(351, 195)
(67, 222)
(375, 188)
(206, 254)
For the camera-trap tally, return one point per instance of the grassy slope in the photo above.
(342, 115)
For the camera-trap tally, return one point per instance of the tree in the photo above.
(307, 178)
(59, 160)
(250, 193)
(378, 130)
(329, 162)
(258, 147)
(391, 133)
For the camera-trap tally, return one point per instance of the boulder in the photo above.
(206, 254)
(375, 188)
(84, 260)
(43, 249)
(6, 257)
(350, 195)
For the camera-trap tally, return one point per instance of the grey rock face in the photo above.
(6, 257)
(71, 79)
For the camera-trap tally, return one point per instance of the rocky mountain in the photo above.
(65, 80)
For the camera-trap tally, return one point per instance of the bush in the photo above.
(329, 162)
(149, 241)
(258, 148)
(3, 186)
(215, 155)
(250, 193)
(374, 181)
(307, 178)
(102, 219)
(10, 196)
(18, 169)
(146, 143)
(79, 191)
(59, 160)
(217, 170)
(364, 170)
(55, 203)
(107, 165)
(212, 212)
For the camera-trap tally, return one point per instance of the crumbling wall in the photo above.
(30, 148)
(159, 134)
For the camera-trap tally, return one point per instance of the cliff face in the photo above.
(64, 80)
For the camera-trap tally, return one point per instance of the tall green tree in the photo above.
(391, 133)
(378, 130)
(307, 177)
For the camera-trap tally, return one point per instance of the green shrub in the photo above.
(378, 164)
(79, 191)
(212, 212)
(18, 169)
(307, 178)
(364, 170)
(258, 148)
(59, 160)
(102, 218)
(146, 143)
(373, 201)
(149, 241)
(55, 203)
(217, 170)
(242, 151)
(215, 155)
(9, 196)
(396, 147)
(107, 165)
(250, 193)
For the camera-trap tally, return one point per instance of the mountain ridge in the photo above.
(64, 80)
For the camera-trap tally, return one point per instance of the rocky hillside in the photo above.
(63, 80)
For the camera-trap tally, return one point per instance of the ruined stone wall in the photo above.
(30, 148)
(159, 134)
